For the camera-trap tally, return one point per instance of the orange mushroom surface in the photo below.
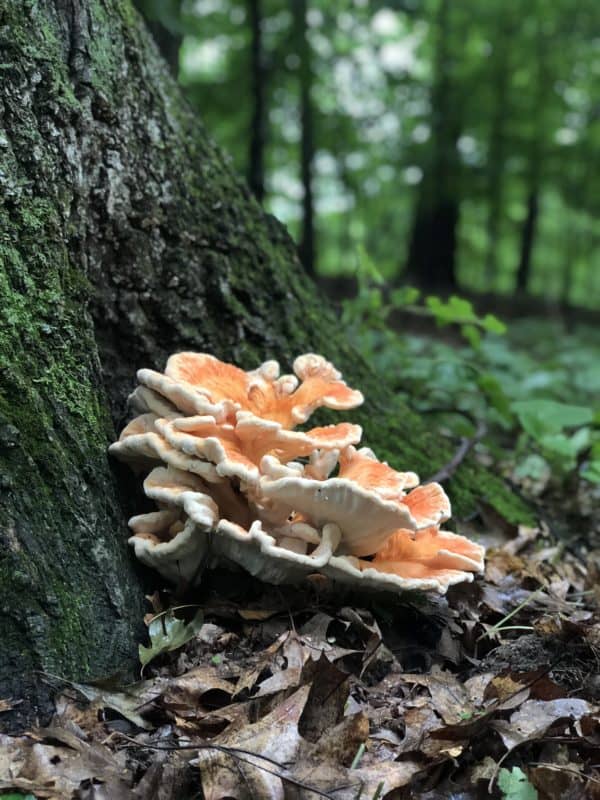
(234, 483)
(263, 391)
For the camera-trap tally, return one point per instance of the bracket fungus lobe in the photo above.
(235, 482)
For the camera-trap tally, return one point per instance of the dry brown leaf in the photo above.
(58, 771)
(287, 674)
(325, 765)
(524, 536)
(249, 774)
(534, 718)
(329, 689)
(247, 680)
(6, 704)
(199, 691)
(256, 614)
(450, 698)
(130, 703)
(508, 691)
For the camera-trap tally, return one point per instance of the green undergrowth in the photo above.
(528, 390)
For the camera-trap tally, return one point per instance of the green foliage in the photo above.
(167, 632)
(17, 796)
(514, 785)
(489, 377)
(550, 425)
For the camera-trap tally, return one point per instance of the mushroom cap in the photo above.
(186, 397)
(433, 560)
(261, 437)
(170, 543)
(363, 467)
(365, 519)
(261, 391)
(143, 400)
(237, 451)
(174, 487)
(224, 442)
(431, 549)
(140, 445)
(428, 504)
(264, 557)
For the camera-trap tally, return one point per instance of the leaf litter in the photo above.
(253, 691)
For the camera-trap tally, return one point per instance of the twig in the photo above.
(238, 753)
(564, 768)
(499, 625)
(465, 446)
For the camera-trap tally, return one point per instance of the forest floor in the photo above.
(254, 691)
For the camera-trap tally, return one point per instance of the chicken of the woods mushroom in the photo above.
(235, 482)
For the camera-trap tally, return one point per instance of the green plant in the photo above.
(168, 632)
(514, 785)
(489, 378)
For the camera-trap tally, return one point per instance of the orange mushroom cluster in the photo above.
(234, 481)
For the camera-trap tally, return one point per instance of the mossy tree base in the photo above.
(125, 236)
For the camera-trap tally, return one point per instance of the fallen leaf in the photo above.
(167, 632)
(256, 755)
(130, 703)
(56, 771)
(534, 718)
(198, 690)
(329, 689)
(515, 786)
(449, 696)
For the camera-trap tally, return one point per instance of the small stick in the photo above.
(466, 444)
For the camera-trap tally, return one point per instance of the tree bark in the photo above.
(307, 145)
(125, 236)
(527, 240)
(431, 259)
(496, 159)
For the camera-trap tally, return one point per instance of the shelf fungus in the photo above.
(235, 482)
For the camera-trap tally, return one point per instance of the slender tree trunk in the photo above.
(125, 236)
(497, 153)
(168, 40)
(536, 158)
(527, 241)
(432, 250)
(307, 146)
(256, 168)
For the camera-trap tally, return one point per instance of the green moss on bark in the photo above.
(70, 603)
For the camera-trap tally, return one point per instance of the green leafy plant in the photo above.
(562, 432)
(488, 379)
(17, 796)
(514, 785)
(167, 632)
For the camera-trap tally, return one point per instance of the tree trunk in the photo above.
(496, 159)
(307, 145)
(256, 167)
(125, 236)
(432, 251)
(527, 240)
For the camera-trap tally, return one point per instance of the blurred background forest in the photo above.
(435, 160)
(457, 143)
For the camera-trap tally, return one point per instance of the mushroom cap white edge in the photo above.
(366, 520)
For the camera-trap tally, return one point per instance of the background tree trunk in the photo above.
(307, 244)
(258, 125)
(125, 236)
(431, 259)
